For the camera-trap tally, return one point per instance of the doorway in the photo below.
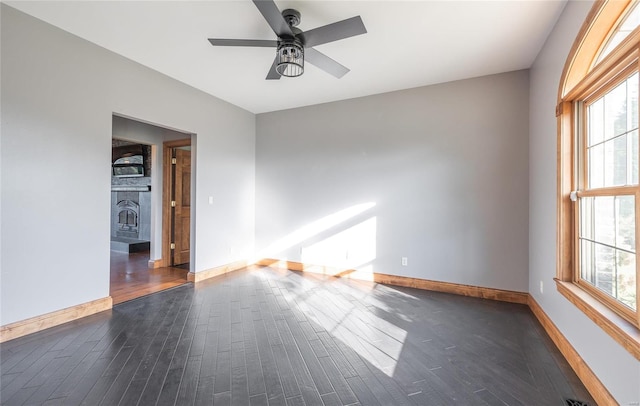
(140, 267)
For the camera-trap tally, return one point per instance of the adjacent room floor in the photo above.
(267, 337)
(131, 277)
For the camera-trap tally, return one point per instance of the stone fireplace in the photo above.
(130, 200)
(130, 217)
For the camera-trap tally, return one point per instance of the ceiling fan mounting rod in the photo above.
(291, 16)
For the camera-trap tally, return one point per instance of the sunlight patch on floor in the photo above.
(372, 337)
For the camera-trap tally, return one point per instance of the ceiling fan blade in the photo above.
(325, 63)
(273, 74)
(224, 42)
(273, 16)
(333, 32)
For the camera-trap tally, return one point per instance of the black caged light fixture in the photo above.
(290, 58)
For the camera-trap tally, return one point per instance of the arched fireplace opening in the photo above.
(128, 214)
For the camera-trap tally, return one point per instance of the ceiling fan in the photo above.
(293, 45)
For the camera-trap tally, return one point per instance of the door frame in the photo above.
(167, 149)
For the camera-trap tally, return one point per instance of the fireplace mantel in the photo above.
(130, 188)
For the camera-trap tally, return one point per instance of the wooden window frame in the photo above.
(580, 81)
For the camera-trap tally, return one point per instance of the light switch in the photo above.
(210, 199)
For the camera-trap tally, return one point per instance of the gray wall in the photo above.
(444, 169)
(58, 96)
(614, 366)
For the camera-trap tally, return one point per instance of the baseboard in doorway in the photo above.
(154, 263)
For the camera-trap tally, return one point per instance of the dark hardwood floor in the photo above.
(131, 277)
(267, 337)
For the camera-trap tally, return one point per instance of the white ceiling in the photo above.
(408, 44)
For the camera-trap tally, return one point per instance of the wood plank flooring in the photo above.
(264, 337)
(131, 277)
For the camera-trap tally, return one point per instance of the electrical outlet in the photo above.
(541, 287)
(405, 261)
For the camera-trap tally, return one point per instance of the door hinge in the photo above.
(173, 203)
(174, 161)
(173, 245)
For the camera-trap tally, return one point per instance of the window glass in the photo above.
(607, 236)
(612, 137)
(607, 246)
(631, 21)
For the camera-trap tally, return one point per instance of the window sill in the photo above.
(625, 333)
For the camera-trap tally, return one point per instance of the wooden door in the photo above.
(182, 211)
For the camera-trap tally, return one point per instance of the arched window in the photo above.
(598, 172)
